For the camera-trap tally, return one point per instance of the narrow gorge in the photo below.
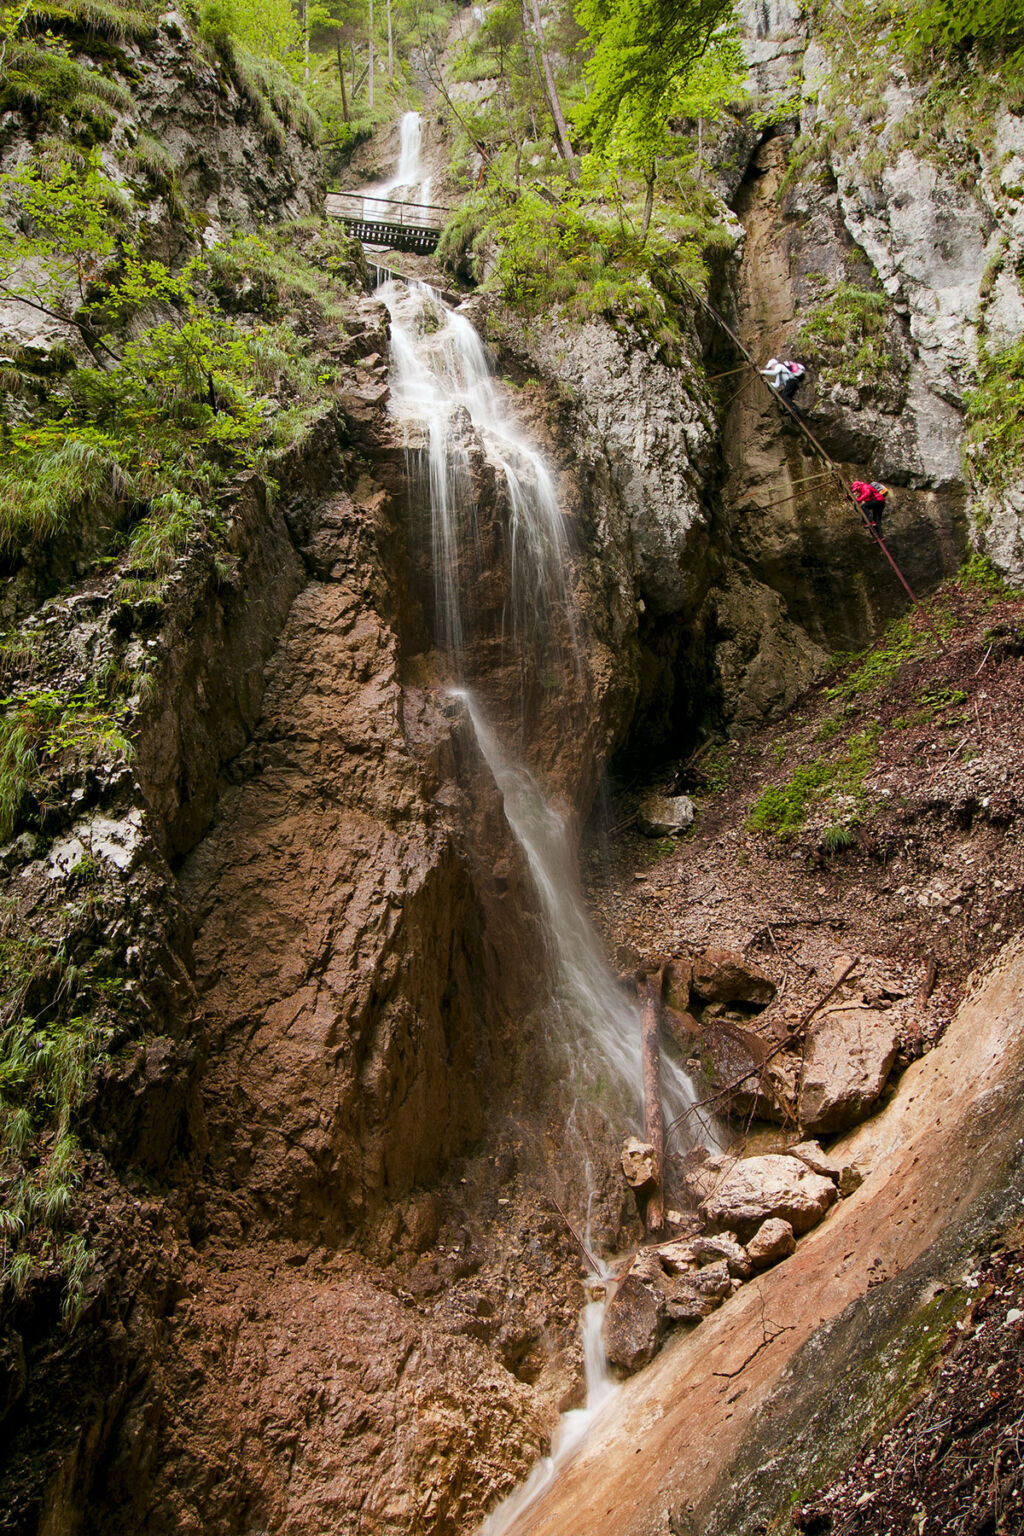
(512, 883)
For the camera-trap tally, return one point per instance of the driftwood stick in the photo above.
(654, 1118)
(580, 1243)
(927, 986)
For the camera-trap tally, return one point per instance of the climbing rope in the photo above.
(833, 468)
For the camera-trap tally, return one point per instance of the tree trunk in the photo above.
(371, 56)
(391, 52)
(551, 91)
(654, 1119)
(341, 78)
(648, 203)
(305, 39)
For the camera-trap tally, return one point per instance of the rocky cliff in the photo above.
(321, 1129)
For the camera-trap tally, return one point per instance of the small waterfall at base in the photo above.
(573, 1425)
(444, 395)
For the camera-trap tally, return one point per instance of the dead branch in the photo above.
(579, 1240)
(654, 1118)
(927, 986)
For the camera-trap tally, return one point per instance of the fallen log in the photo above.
(654, 1119)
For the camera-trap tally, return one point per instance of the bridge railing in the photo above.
(386, 210)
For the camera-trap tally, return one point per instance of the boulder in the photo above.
(722, 976)
(757, 1188)
(695, 1294)
(665, 815)
(639, 1163)
(677, 1257)
(848, 1059)
(723, 1245)
(703, 1173)
(773, 1240)
(810, 1152)
(731, 1053)
(635, 1320)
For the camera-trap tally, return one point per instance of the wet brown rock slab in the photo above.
(681, 1435)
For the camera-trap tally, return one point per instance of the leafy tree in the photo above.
(653, 61)
(266, 27)
(960, 24)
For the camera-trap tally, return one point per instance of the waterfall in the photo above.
(408, 180)
(445, 398)
(441, 384)
(572, 1426)
(597, 1016)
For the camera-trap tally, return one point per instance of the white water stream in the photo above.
(408, 184)
(443, 393)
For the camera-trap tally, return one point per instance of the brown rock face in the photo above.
(761, 1187)
(846, 1066)
(720, 976)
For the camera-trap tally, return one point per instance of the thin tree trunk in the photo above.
(391, 52)
(648, 203)
(341, 77)
(552, 94)
(654, 1119)
(371, 55)
(305, 39)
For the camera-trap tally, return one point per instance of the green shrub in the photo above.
(994, 448)
(844, 334)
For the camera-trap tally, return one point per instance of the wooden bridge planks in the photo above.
(397, 237)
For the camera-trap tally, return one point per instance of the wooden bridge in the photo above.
(385, 221)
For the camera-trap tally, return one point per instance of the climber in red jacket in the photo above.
(871, 497)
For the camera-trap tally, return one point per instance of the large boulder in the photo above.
(665, 815)
(636, 1318)
(849, 1057)
(758, 1188)
(773, 1240)
(722, 976)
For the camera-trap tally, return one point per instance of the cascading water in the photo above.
(443, 393)
(408, 183)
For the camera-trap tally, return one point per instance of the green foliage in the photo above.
(961, 25)
(47, 1058)
(837, 837)
(783, 809)
(59, 227)
(267, 28)
(995, 421)
(880, 664)
(49, 729)
(979, 572)
(42, 75)
(645, 53)
(196, 392)
(844, 334)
